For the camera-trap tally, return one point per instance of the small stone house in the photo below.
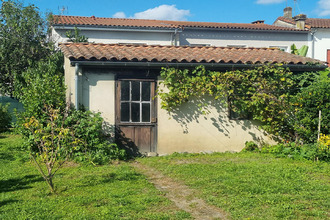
(120, 81)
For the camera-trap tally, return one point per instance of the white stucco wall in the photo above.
(114, 37)
(321, 43)
(243, 38)
(284, 24)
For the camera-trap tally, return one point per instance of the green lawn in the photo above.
(245, 185)
(253, 186)
(83, 192)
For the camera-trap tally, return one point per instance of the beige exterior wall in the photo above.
(69, 81)
(96, 90)
(188, 130)
(98, 93)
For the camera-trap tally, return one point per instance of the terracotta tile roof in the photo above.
(175, 54)
(109, 22)
(310, 22)
(318, 22)
(143, 23)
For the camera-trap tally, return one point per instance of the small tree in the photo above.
(51, 143)
(23, 42)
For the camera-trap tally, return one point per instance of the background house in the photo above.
(318, 32)
(158, 32)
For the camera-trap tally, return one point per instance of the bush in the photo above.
(96, 146)
(250, 146)
(307, 104)
(44, 90)
(316, 151)
(5, 117)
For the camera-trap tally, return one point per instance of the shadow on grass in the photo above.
(94, 180)
(111, 177)
(6, 156)
(8, 201)
(15, 184)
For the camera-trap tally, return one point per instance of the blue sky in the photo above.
(232, 11)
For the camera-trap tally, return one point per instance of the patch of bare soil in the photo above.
(183, 197)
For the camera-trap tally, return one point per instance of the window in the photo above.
(135, 101)
(238, 46)
(199, 45)
(236, 110)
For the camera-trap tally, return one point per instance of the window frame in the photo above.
(130, 101)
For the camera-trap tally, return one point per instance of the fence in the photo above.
(13, 104)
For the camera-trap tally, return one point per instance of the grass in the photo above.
(253, 186)
(245, 185)
(83, 192)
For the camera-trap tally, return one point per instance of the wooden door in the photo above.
(136, 115)
(328, 57)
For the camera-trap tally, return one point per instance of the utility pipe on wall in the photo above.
(76, 82)
(313, 31)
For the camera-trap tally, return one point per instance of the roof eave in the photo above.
(157, 65)
(249, 30)
(117, 28)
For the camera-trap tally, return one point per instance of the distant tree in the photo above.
(75, 36)
(23, 41)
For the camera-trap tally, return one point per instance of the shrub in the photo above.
(5, 117)
(96, 145)
(43, 90)
(316, 151)
(308, 102)
(250, 146)
(325, 139)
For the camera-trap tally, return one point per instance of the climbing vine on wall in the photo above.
(264, 91)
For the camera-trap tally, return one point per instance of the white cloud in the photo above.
(162, 12)
(119, 14)
(265, 2)
(324, 7)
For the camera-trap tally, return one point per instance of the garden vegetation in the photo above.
(288, 104)
(53, 131)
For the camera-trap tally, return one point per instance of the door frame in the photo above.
(153, 114)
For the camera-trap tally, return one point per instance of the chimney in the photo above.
(258, 22)
(288, 12)
(300, 21)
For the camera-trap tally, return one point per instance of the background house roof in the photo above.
(179, 54)
(143, 23)
(310, 22)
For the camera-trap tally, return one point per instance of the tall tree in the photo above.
(23, 42)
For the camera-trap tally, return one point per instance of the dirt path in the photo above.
(183, 197)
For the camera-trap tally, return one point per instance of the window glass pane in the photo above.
(135, 91)
(124, 111)
(145, 112)
(145, 91)
(124, 90)
(135, 112)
